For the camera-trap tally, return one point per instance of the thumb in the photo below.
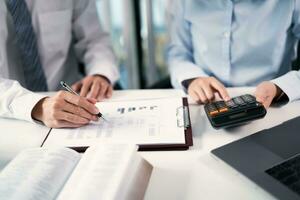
(260, 98)
(264, 99)
(260, 95)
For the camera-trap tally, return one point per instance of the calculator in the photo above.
(236, 111)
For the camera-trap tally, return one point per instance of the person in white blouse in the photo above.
(42, 43)
(218, 44)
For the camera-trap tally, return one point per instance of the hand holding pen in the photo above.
(69, 89)
(65, 110)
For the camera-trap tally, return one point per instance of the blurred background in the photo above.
(139, 36)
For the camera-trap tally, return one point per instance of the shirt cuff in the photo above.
(186, 84)
(181, 71)
(289, 83)
(107, 69)
(21, 107)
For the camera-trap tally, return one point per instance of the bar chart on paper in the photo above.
(143, 121)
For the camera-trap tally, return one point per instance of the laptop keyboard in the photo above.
(288, 173)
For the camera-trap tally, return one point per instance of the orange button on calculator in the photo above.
(216, 108)
(212, 109)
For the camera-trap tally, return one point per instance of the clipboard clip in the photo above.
(183, 119)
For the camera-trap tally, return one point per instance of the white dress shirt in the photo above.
(68, 33)
(241, 43)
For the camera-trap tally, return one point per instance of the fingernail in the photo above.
(227, 98)
(96, 110)
(91, 100)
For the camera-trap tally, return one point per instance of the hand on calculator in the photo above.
(203, 90)
(266, 92)
(238, 110)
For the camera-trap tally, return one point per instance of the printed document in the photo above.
(155, 121)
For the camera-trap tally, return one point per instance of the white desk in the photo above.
(17, 135)
(191, 174)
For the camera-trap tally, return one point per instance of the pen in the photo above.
(69, 89)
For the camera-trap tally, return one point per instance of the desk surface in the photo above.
(178, 174)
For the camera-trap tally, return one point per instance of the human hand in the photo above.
(266, 92)
(65, 110)
(203, 89)
(96, 86)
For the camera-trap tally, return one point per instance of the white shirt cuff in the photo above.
(21, 107)
(181, 71)
(107, 69)
(289, 84)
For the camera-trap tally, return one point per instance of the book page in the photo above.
(136, 122)
(103, 173)
(37, 174)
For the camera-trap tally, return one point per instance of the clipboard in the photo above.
(183, 120)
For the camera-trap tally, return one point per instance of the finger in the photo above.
(264, 99)
(85, 88)
(267, 103)
(102, 92)
(195, 96)
(71, 108)
(208, 92)
(94, 90)
(71, 118)
(260, 95)
(92, 100)
(260, 98)
(65, 124)
(77, 86)
(109, 92)
(199, 91)
(82, 102)
(220, 89)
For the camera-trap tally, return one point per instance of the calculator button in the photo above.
(248, 98)
(222, 110)
(212, 109)
(220, 104)
(222, 107)
(231, 104)
(214, 112)
(239, 101)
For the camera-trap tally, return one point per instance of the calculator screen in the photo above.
(234, 116)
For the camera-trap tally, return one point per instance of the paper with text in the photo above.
(137, 122)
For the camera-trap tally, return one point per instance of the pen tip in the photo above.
(104, 119)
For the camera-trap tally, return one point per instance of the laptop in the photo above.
(270, 158)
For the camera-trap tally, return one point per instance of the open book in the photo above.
(108, 171)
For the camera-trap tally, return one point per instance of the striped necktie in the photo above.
(26, 41)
